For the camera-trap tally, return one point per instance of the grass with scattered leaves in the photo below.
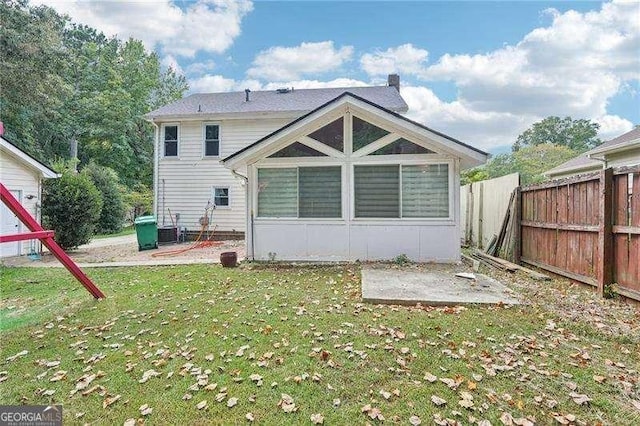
(201, 344)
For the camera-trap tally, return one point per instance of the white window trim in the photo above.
(213, 196)
(328, 162)
(170, 157)
(204, 139)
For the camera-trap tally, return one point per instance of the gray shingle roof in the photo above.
(583, 162)
(298, 100)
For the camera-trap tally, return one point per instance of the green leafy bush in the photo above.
(71, 207)
(138, 201)
(113, 208)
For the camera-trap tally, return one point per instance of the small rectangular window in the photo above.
(221, 197)
(170, 141)
(211, 140)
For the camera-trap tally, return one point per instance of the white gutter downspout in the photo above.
(248, 235)
(603, 160)
(156, 137)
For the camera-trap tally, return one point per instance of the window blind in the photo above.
(377, 191)
(425, 191)
(320, 192)
(278, 192)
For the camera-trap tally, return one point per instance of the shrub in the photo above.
(138, 201)
(113, 207)
(71, 207)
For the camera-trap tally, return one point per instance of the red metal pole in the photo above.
(48, 241)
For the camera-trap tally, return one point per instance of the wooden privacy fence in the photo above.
(586, 228)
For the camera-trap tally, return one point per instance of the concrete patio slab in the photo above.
(428, 285)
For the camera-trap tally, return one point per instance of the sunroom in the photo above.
(352, 181)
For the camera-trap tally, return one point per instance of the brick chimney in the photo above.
(394, 81)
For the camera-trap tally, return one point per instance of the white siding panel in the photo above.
(16, 177)
(334, 242)
(185, 183)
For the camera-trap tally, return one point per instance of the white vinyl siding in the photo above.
(184, 183)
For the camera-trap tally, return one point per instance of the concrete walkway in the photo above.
(431, 286)
(111, 241)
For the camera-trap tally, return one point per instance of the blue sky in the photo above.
(479, 71)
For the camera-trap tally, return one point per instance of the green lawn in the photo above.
(239, 339)
(127, 230)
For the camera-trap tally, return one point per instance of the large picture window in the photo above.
(303, 192)
(401, 191)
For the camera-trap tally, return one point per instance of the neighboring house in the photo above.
(316, 174)
(22, 175)
(621, 151)
(194, 133)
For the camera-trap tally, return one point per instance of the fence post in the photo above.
(605, 231)
(517, 219)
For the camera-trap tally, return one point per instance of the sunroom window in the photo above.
(401, 191)
(303, 192)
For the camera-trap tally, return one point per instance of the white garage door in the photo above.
(10, 224)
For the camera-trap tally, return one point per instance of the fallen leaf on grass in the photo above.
(202, 405)
(59, 375)
(636, 404)
(18, 355)
(438, 401)
(249, 417)
(579, 398)
(130, 422)
(145, 410)
(232, 402)
(599, 379)
(430, 377)
(110, 401)
(415, 420)
(317, 419)
(287, 404)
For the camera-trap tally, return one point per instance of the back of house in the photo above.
(194, 133)
(312, 174)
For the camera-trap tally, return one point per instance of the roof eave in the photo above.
(27, 159)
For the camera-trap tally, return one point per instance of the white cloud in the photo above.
(205, 25)
(572, 67)
(612, 126)
(483, 129)
(290, 63)
(202, 67)
(212, 84)
(405, 59)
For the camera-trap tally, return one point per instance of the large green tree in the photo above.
(578, 135)
(62, 81)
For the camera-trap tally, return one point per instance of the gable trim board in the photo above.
(471, 156)
(350, 235)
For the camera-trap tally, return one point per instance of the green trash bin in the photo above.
(147, 232)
